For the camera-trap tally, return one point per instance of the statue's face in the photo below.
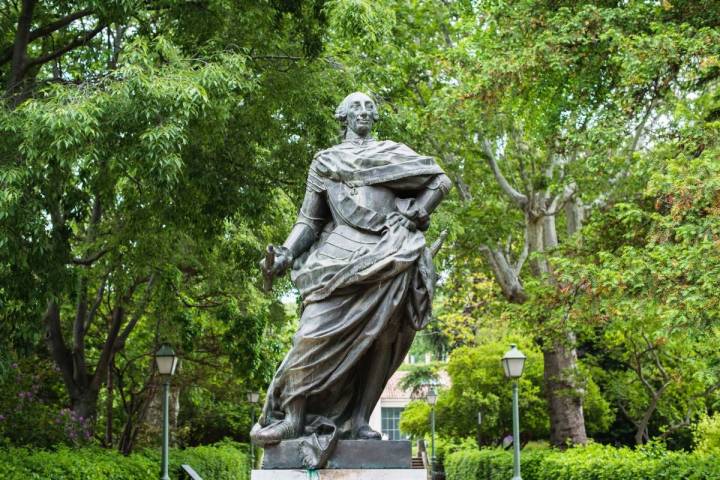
(360, 114)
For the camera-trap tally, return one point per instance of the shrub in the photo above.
(593, 462)
(31, 412)
(707, 434)
(223, 461)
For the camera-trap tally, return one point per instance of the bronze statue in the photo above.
(366, 276)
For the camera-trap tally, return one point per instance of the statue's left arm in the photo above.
(434, 192)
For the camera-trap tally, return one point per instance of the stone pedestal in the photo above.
(351, 460)
(348, 454)
(342, 474)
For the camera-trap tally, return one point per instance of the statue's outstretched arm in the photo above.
(313, 216)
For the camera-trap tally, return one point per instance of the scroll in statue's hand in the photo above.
(281, 261)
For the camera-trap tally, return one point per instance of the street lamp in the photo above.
(166, 361)
(252, 398)
(513, 363)
(431, 398)
(479, 428)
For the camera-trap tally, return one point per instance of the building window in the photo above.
(390, 417)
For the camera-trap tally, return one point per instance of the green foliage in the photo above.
(478, 384)
(31, 412)
(189, 131)
(479, 465)
(418, 376)
(415, 419)
(584, 463)
(646, 272)
(224, 461)
(707, 434)
(364, 21)
(145, 174)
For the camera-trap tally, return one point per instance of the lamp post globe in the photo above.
(166, 360)
(431, 396)
(513, 362)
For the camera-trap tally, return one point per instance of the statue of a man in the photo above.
(360, 261)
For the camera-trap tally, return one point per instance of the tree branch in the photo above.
(108, 350)
(517, 197)
(558, 202)
(77, 42)
(78, 350)
(505, 275)
(120, 342)
(91, 258)
(19, 48)
(57, 347)
(641, 126)
(523, 255)
(96, 304)
(46, 30)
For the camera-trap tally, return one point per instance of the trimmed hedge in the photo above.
(593, 462)
(222, 461)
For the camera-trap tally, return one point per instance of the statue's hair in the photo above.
(342, 110)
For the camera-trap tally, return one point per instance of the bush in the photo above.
(223, 461)
(593, 462)
(31, 408)
(707, 434)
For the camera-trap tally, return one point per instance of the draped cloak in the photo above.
(364, 279)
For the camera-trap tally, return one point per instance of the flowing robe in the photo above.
(366, 281)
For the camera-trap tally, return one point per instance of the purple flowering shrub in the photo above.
(33, 408)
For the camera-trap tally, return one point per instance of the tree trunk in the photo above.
(565, 398)
(19, 54)
(574, 215)
(564, 394)
(84, 406)
(82, 388)
(139, 407)
(109, 407)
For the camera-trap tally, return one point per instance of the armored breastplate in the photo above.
(364, 207)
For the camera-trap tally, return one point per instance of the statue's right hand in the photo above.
(282, 261)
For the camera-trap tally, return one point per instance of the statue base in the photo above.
(349, 455)
(342, 474)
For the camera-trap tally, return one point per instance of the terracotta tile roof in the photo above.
(394, 392)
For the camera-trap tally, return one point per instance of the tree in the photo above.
(553, 101)
(125, 183)
(647, 270)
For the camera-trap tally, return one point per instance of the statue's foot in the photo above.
(274, 433)
(364, 432)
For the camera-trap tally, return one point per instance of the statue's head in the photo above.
(357, 113)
